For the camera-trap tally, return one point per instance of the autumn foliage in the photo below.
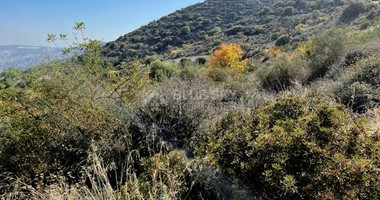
(229, 57)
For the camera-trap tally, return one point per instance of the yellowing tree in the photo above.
(229, 57)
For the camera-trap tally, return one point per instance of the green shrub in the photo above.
(185, 31)
(282, 74)
(150, 59)
(191, 72)
(359, 90)
(369, 72)
(264, 11)
(160, 70)
(358, 96)
(282, 40)
(323, 50)
(353, 57)
(49, 123)
(235, 30)
(9, 77)
(215, 30)
(218, 74)
(201, 61)
(352, 11)
(372, 14)
(365, 25)
(296, 148)
(288, 11)
(185, 62)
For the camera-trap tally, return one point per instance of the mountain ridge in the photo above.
(25, 56)
(200, 28)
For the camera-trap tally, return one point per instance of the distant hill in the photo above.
(23, 57)
(198, 29)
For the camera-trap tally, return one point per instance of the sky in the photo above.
(27, 22)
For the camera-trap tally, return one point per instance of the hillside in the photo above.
(22, 57)
(198, 29)
(298, 121)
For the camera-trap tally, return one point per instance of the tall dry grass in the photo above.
(96, 184)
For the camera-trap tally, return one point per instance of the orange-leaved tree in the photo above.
(229, 57)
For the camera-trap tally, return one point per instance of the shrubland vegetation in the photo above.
(200, 28)
(298, 120)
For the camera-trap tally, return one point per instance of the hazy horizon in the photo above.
(27, 23)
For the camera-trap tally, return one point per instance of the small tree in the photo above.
(88, 48)
(229, 57)
(126, 79)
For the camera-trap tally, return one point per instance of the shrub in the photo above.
(185, 31)
(217, 74)
(322, 51)
(288, 11)
(365, 25)
(369, 71)
(282, 40)
(160, 70)
(359, 90)
(150, 59)
(235, 30)
(201, 61)
(50, 125)
(282, 74)
(191, 72)
(185, 62)
(352, 11)
(358, 96)
(295, 148)
(58, 110)
(9, 77)
(264, 11)
(177, 109)
(167, 175)
(371, 15)
(215, 30)
(228, 57)
(353, 57)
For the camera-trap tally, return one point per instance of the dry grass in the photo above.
(96, 185)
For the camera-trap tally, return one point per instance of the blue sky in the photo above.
(27, 22)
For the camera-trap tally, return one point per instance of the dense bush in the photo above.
(201, 61)
(228, 57)
(322, 51)
(9, 77)
(353, 57)
(160, 70)
(296, 148)
(50, 119)
(235, 30)
(358, 96)
(288, 11)
(359, 90)
(282, 40)
(54, 117)
(282, 74)
(191, 72)
(218, 74)
(177, 109)
(352, 11)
